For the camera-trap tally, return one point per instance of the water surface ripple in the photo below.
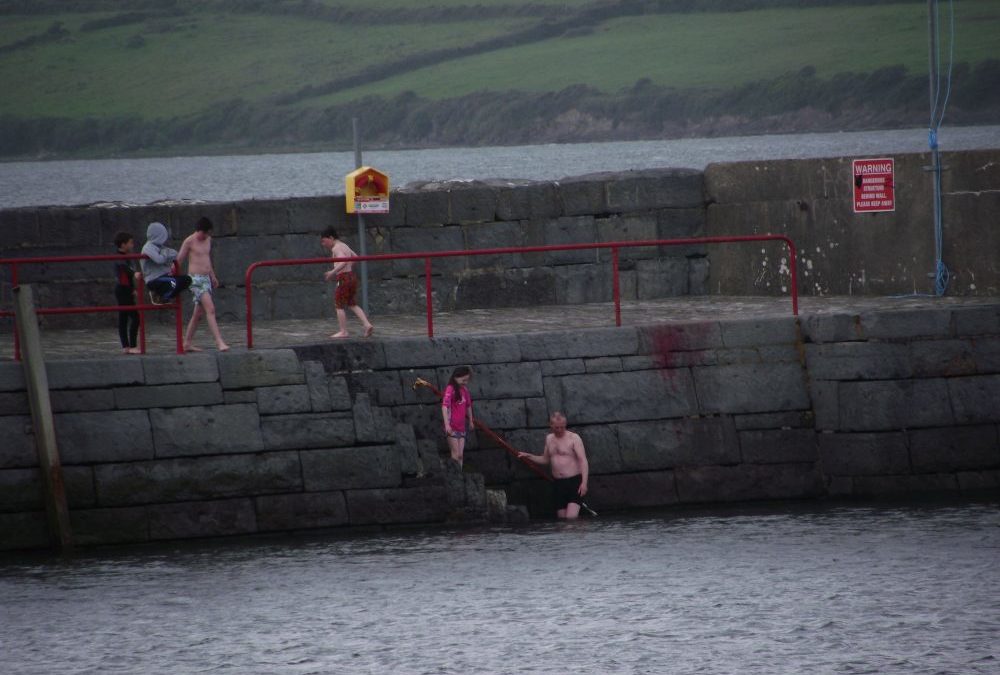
(805, 589)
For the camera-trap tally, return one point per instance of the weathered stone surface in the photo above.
(620, 397)
(421, 352)
(778, 446)
(564, 367)
(80, 400)
(665, 341)
(168, 396)
(592, 342)
(746, 482)
(662, 278)
(16, 403)
(342, 357)
(872, 486)
(986, 354)
(184, 369)
(269, 367)
(976, 321)
(235, 396)
(822, 328)
(507, 380)
(473, 202)
(646, 189)
(632, 490)
(221, 429)
(859, 361)
(93, 373)
(652, 446)
(351, 468)
(18, 447)
(292, 432)
(301, 511)
(502, 413)
(606, 364)
(826, 404)
(427, 239)
(954, 449)
(372, 424)
(318, 386)
(400, 505)
(757, 332)
(581, 195)
(26, 530)
(942, 358)
(108, 436)
(907, 324)
(12, 374)
(979, 481)
(188, 479)
(780, 420)
(600, 442)
(94, 527)
(189, 520)
(863, 454)
(406, 445)
(975, 399)
(894, 404)
(751, 388)
(284, 399)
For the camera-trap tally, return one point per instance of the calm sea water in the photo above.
(225, 178)
(748, 590)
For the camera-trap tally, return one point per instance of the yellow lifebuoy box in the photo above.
(366, 190)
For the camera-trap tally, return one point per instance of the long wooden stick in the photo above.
(511, 450)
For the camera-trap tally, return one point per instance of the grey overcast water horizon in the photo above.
(267, 176)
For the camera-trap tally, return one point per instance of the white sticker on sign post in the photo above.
(874, 185)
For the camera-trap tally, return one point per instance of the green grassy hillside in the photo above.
(119, 66)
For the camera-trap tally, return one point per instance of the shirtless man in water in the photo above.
(565, 453)
(197, 250)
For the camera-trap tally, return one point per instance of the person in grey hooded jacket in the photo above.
(158, 264)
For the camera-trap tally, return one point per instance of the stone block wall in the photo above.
(446, 216)
(220, 444)
(847, 253)
(834, 405)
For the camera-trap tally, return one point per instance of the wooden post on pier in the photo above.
(37, 382)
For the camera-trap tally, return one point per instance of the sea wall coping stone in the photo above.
(93, 373)
(421, 352)
(263, 368)
(180, 369)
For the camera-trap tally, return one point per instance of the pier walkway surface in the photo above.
(160, 339)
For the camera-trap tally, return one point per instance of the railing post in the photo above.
(142, 315)
(430, 298)
(13, 287)
(249, 295)
(615, 287)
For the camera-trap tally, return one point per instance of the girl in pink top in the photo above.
(456, 407)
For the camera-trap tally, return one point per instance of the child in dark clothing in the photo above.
(125, 276)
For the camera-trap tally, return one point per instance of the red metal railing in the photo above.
(614, 246)
(14, 263)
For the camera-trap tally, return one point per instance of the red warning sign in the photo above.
(874, 185)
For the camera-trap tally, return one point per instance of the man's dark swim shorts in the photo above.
(567, 490)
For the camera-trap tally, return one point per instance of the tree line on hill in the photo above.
(799, 101)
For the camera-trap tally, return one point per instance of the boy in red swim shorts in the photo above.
(347, 283)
